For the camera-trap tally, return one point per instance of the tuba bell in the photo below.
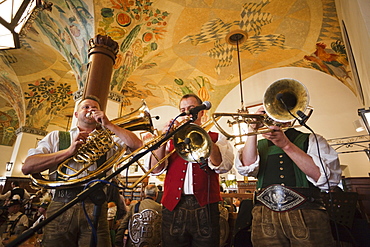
(98, 143)
(139, 119)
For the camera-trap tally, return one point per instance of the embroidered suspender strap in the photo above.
(262, 149)
(14, 223)
(64, 143)
(301, 179)
(64, 140)
(136, 210)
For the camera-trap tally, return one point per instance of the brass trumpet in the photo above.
(282, 97)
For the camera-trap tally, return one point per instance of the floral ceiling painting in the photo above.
(166, 48)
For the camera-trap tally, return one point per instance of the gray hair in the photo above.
(151, 190)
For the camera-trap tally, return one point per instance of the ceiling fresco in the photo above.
(166, 48)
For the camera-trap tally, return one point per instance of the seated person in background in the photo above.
(160, 193)
(151, 193)
(15, 193)
(17, 222)
(41, 215)
(44, 195)
(236, 203)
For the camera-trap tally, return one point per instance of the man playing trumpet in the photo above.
(191, 194)
(291, 168)
(71, 228)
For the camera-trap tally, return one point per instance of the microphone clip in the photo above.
(303, 117)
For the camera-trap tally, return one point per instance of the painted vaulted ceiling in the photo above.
(166, 48)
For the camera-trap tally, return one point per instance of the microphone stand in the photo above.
(93, 189)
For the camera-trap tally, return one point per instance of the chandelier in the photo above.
(240, 127)
(14, 14)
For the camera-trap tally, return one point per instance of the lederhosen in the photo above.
(281, 184)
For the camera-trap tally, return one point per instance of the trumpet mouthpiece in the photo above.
(89, 114)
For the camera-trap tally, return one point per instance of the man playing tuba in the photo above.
(71, 228)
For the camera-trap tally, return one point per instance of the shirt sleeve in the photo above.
(26, 194)
(227, 155)
(148, 157)
(121, 143)
(23, 221)
(6, 195)
(112, 212)
(329, 165)
(48, 144)
(247, 171)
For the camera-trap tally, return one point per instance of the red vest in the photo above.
(175, 178)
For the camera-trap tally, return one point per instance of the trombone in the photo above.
(197, 146)
(281, 98)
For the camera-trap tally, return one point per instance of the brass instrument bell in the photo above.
(292, 92)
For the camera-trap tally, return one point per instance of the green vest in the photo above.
(268, 151)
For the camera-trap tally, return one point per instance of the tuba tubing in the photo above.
(97, 144)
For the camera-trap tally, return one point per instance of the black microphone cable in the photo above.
(203, 165)
(302, 122)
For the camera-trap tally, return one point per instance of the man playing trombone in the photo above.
(291, 168)
(191, 194)
(71, 228)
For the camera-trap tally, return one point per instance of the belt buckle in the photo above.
(280, 198)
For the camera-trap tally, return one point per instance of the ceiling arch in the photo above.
(167, 48)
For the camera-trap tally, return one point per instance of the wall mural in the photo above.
(251, 20)
(329, 55)
(167, 48)
(12, 107)
(136, 26)
(45, 98)
(68, 29)
(332, 61)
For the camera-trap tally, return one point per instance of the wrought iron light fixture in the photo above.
(365, 116)
(240, 128)
(359, 126)
(9, 166)
(13, 16)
